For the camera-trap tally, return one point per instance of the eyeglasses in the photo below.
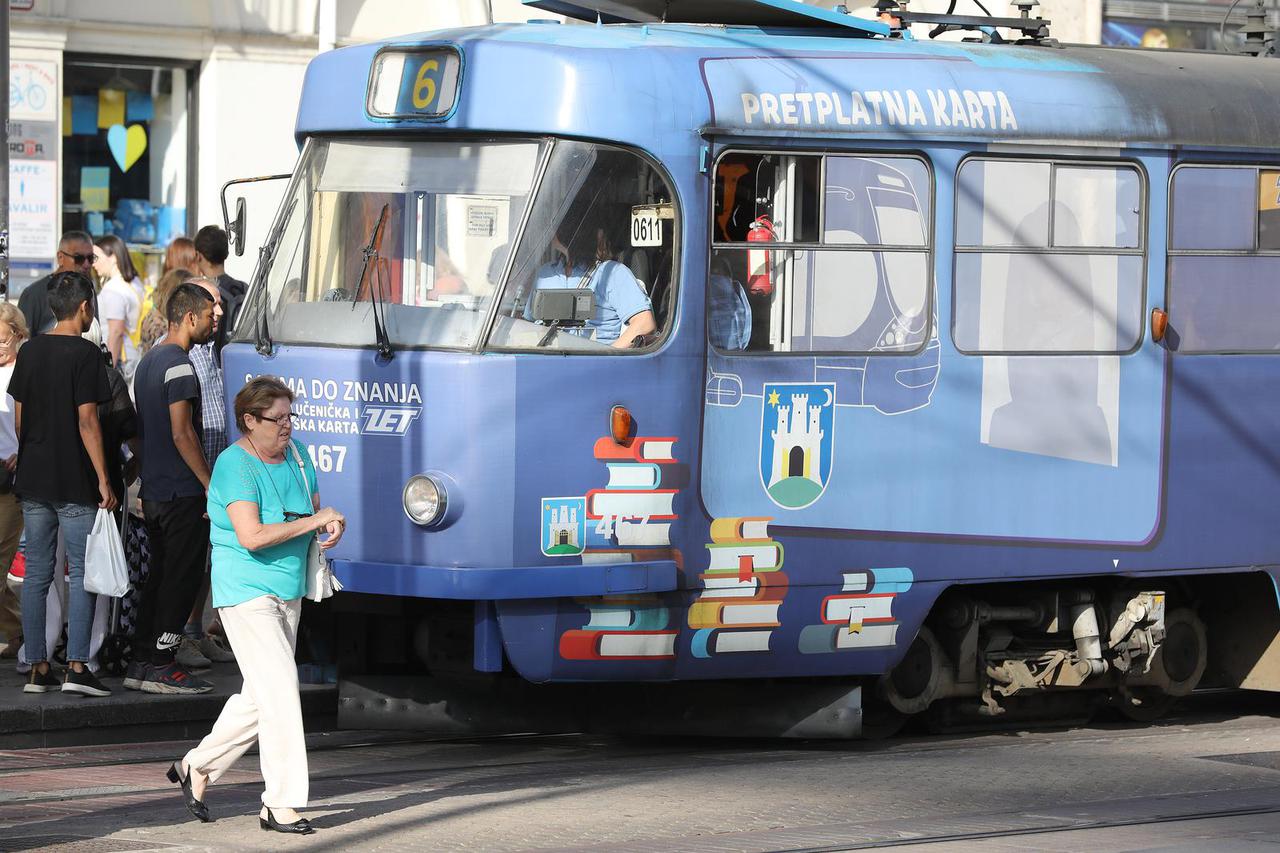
(282, 421)
(78, 259)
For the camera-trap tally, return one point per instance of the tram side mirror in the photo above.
(235, 228)
(564, 307)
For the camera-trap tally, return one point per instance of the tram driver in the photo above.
(584, 259)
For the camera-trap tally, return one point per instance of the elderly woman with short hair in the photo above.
(264, 509)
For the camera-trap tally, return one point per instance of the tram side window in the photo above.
(820, 253)
(593, 271)
(1049, 258)
(1224, 259)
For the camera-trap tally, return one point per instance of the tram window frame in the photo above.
(248, 320)
(928, 248)
(1172, 254)
(665, 331)
(1141, 251)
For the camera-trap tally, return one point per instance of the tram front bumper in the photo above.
(512, 582)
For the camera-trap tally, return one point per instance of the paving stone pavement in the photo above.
(1208, 780)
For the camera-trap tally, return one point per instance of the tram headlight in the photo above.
(424, 499)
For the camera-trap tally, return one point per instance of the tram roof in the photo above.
(653, 85)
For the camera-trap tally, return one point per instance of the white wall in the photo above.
(247, 109)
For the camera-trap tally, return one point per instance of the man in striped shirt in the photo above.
(198, 650)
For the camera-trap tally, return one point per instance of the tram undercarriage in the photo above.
(1043, 653)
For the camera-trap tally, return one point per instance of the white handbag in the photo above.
(320, 580)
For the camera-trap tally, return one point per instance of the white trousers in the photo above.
(263, 633)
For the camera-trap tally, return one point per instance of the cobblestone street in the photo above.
(1207, 779)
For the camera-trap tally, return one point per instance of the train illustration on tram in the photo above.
(759, 369)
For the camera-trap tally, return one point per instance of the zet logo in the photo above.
(797, 435)
(389, 420)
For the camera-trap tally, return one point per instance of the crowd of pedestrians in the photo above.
(102, 387)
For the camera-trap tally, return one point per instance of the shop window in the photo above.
(125, 152)
(1049, 258)
(1224, 259)
(820, 253)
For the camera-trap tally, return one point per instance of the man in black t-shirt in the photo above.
(58, 381)
(211, 256)
(175, 477)
(75, 254)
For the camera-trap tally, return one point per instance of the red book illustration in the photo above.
(617, 645)
(654, 504)
(657, 450)
(842, 609)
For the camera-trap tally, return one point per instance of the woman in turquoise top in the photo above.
(264, 512)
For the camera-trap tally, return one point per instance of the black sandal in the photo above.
(197, 807)
(301, 826)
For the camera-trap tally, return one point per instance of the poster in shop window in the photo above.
(33, 159)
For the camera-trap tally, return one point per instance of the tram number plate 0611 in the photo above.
(646, 227)
(327, 458)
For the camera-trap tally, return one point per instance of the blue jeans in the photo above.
(42, 520)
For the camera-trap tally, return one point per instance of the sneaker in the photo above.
(215, 651)
(189, 655)
(42, 682)
(135, 674)
(173, 678)
(85, 683)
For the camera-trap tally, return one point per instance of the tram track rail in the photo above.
(399, 765)
(898, 746)
(1064, 827)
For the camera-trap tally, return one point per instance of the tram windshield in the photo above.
(418, 235)
(416, 231)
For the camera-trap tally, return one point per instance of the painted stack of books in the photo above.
(629, 520)
(743, 589)
(860, 616)
(622, 627)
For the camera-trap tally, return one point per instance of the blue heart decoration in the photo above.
(118, 142)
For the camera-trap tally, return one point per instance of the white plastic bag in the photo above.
(106, 571)
(320, 580)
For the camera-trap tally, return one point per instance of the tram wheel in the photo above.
(912, 685)
(1177, 667)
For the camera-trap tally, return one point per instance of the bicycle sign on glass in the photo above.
(32, 90)
(28, 92)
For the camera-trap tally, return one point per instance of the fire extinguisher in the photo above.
(759, 261)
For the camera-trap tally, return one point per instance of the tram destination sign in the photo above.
(414, 82)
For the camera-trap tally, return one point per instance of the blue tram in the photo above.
(787, 353)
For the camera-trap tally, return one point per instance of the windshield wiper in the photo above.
(375, 287)
(263, 343)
